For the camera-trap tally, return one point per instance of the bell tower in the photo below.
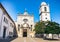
(44, 12)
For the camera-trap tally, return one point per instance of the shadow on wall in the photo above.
(15, 34)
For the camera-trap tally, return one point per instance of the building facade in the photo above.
(44, 12)
(6, 23)
(25, 25)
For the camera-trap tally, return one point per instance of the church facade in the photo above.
(25, 25)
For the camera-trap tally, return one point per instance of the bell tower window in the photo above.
(45, 9)
(46, 18)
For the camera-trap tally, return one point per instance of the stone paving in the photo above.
(28, 39)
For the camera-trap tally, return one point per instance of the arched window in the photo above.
(45, 8)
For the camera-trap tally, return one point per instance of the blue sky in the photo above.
(14, 7)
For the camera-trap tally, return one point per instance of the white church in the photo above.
(24, 24)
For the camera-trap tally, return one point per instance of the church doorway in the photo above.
(24, 32)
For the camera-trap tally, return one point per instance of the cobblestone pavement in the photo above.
(27, 39)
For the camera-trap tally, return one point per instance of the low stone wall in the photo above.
(51, 36)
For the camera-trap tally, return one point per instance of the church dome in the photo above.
(43, 3)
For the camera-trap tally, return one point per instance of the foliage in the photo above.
(47, 27)
(52, 27)
(39, 27)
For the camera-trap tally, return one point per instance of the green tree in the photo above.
(47, 28)
(53, 28)
(39, 27)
